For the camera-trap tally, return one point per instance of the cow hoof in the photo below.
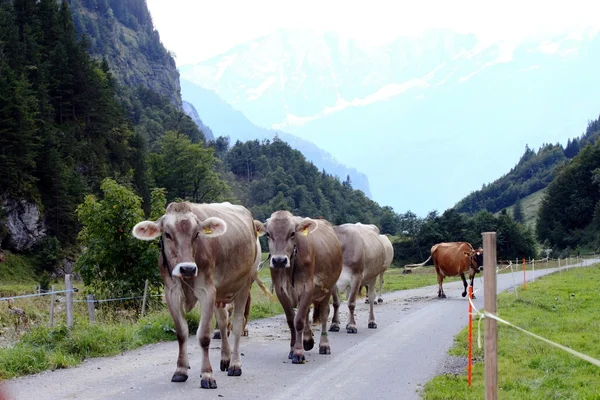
(298, 359)
(290, 355)
(234, 371)
(380, 300)
(473, 296)
(372, 325)
(324, 350)
(209, 383)
(351, 329)
(177, 377)
(334, 328)
(464, 294)
(224, 365)
(245, 332)
(442, 296)
(366, 301)
(308, 344)
(217, 335)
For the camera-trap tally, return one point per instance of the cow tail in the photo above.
(263, 288)
(415, 266)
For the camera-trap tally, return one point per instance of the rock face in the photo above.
(23, 224)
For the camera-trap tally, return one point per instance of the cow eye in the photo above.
(267, 234)
(196, 235)
(167, 235)
(293, 234)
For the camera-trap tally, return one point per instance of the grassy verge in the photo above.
(560, 307)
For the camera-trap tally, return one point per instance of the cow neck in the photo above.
(164, 256)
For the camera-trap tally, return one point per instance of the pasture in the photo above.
(562, 307)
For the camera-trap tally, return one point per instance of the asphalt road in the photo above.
(415, 331)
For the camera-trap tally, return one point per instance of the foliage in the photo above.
(570, 212)
(560, 307)
(114, 263)
(186, 170)
(518, 211)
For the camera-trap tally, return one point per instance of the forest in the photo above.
(76, 133)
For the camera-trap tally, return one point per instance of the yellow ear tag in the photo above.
(305, 231)
(207, 230)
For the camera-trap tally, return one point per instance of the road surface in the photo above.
(415, 331)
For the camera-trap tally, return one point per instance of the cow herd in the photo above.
(210, 254)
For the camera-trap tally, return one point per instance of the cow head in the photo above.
(180, 229)
(282, 231)
(476, 259)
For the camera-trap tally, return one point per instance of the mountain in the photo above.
(428, 119)
(122, 32)
(225, 121)
(191, 112)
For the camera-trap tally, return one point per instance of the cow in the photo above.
(454, 259)
(364, 258)
(389, 257)
(305, 263)
(208, 255)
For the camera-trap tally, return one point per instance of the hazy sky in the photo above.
(198, 29)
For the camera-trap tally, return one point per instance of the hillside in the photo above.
(443, 100)
(533, 173)
(530, 205)
(122, 32)
(191, 112)
(225, 121)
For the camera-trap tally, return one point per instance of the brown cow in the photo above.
(209, 254)
(453, 259)
(364, 259)
(306, 261)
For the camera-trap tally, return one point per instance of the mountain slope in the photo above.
(122, 32)
(225, 121)
(191, 112)
(438, 114)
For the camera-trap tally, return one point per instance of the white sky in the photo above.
(199, 29)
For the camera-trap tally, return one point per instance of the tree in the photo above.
(518, 212)
(114, 263)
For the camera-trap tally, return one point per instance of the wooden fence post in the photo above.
(490, 325)
(91, 308)
(69, 297)
(144, 299)
(52, 301)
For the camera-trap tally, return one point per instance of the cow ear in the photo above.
(213, 227)
(259, 228)
(306, 226)
(147, 230)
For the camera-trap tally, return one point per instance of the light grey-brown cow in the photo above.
(209, 255)
(305, 262)
(389, 257)
(364, 258)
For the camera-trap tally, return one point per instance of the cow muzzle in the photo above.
(279, 262)
(185, 270)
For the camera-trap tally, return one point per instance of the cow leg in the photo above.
(223, 322)
(368, 291)
(207, 301)
(299, 321)
(217, 334)
(288, 309)
(472, 278)
(354, 286)
(173, 297)
(380, 299)
(372, 323)
(324, 314)
(308, 341)
(462, 276)
(239, 308)
(247, 315)
(335, 321)
(440, 279)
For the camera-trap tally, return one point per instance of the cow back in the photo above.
(328, 256)
(450, 257)
(362, 249)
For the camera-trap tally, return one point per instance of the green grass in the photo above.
(17, 269)
(560, 307)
